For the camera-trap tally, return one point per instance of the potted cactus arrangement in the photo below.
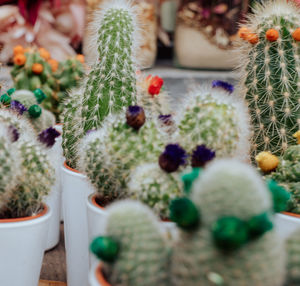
(220, 242)
(27, 178)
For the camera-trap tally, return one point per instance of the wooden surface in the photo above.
(51, 283)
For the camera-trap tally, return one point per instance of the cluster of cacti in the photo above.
(27, 103)
(213, 117)
(35, 69)
(270, 74)
(293, 259)
(27, 174)
(108, 155)
(134, 249)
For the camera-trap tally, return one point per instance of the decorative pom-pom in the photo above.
(253, 38)
(229, 233)
(14, 133)
(224, 85)
(105, 248)
(39, 95)
(18, 107)
(11, 91)
(202, 155)
(135, 116)
(166, 119)
(48, 136)
(297, 136)
(272, 35)
(155, 85)
(184, 213)
(296, 34)
(172, 158)
(260, 224)
(280, 196)
(5, 99)
(35, 111)
(189, 178)
(266, 161)
(243, 33)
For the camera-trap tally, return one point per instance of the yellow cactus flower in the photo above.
(267, 162)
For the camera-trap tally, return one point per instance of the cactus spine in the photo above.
(111, 85)
(270, 74)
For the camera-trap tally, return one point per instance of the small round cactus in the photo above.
(293, 259)
(213, 117)
(134, 249)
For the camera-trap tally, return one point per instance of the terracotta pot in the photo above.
(22, 246)
(287, 223)
(76, 189)
(96, 277)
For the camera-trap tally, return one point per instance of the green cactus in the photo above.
(154, 187)
(108, 155)
(287, 175)
(111, 85)
(293, 259)
(217, 119)
(234, 243)
(142, 256)
(270, 67)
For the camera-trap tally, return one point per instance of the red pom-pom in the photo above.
(155, 85)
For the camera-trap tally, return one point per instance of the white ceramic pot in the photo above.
(286, 224)
(22, 245)
(96, 278)
(76, 189)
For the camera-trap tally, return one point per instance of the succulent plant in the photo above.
(293, 259)
(108, 155)
(134, 249)
(227, 233)
(269, 49)
(213, 117)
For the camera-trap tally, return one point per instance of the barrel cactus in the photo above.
(134, 249)
(231, 240)
(213, 117)
(270, 65)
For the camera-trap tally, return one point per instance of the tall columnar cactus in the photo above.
(293, 259)
(270, 68)
(134, 249)
(108, 155)
(213, 117)
(111, 85)
(231, 241)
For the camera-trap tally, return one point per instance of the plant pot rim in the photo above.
(99, 276)
(69, 168)
(92, 199)
(27, 218)
(291, 214)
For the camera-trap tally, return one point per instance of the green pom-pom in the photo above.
(40, 95)
(280, 196)
(260, 224)
(189, 178)
(105, 248)
(11, 91)
(230, 233)
(5, 99)
(184, 213)
(35, 111)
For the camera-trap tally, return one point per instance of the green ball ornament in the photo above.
(230, 233)
(35, 111)
(105, 248)
(39, 95)
(280, 196)
(5, 99)
(184, 213)
(260, 224)
(11, 91)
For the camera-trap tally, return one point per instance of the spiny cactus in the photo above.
(108, 155)
(213, 117)
(134, 249)
(232, 241)
(293, 259)
(270, 68)
(111, 85)
(154, 187)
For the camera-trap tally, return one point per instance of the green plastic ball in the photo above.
(39, 95)
(35, 111)
(105, 248)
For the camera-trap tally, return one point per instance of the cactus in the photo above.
(111, 84)
(270, 74)
(154, 187)
(108, 155)
(233, 243)
(293, 259)
(213, 117)
(142, 253)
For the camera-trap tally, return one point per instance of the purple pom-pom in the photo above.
(48, 136)
(201, 155)
(18, 107)
(166, 119)
(14, 133)
(172, 158)
(222, 84)
(135, 117)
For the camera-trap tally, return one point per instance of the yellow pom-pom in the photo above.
(297, 136)
(267, 162)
